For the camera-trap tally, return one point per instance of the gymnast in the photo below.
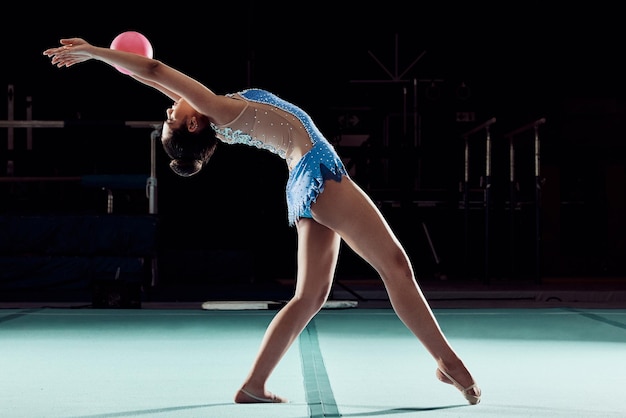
(324, 205)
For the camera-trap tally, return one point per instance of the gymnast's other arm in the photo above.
(151, 72)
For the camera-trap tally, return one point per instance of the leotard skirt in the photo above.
(306, 180)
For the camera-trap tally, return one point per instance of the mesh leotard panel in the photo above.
(271, 123)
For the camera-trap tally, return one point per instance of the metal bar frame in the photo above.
(486, 190)
(538, 184)
(151, 185)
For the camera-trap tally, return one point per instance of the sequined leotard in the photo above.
(271, 123)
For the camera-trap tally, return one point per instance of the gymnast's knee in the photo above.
(312, 301)
(397, 268)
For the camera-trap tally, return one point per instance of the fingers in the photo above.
(64, 61)
(57, 50)
(66, 44)
(66, 55)
(51, 51)
(58, 57)
(63, 52)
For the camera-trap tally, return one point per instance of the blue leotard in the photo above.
(271, 123)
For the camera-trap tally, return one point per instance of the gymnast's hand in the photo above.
(72, 51)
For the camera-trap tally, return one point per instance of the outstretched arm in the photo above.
(157, 86)
(151, 72)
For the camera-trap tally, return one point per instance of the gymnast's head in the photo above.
(187, 138)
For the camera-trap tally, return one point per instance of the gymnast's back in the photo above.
(271, 123)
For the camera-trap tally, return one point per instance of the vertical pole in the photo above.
(10, 132)
(404, 116)
(152, 181)
(512, 203)
(416, 130)
(417, 137)
(537, 207)
(152, 195)
(487, 200)
(29, 116)
(466, 202)
(109, 200)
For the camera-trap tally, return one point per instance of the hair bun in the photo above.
(186, 168)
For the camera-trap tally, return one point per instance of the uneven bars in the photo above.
(151, 186)
(526, 127)
(480, 127)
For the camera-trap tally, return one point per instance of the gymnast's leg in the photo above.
(318, 249)
(346, 209)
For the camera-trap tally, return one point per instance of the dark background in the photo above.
(383, 64)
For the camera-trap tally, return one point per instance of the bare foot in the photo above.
(244, 396)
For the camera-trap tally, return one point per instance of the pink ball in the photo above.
(131, 41)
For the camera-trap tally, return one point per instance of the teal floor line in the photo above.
(600, 318)
(319, 394)
(18, 314)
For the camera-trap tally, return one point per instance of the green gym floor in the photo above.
(530, 362)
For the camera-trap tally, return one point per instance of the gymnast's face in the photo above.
(177, 116)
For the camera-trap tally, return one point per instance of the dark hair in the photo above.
(189, 151)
